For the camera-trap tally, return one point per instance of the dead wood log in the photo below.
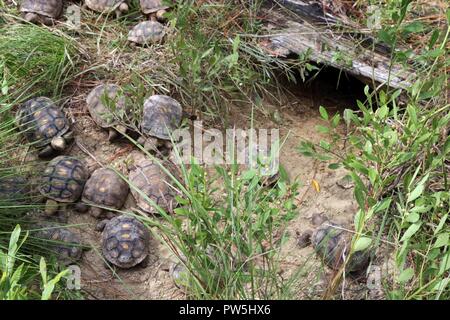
(303, 28)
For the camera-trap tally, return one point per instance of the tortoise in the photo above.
(332, 244)
(150, 179)
(116, 6)
(155, 9)
(64, 243)
(62, 182)
(105, 188)
(162, 115)
(41, 11)
(125, 241)
(104, 115)
(14, 189)
(44, 125)
(147, 32)
(180, 275)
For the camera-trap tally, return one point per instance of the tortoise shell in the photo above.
(162, 115)
(106, 115)
(41, 120)
(147, 32)
(14, 189)
(332, 243)
(64, 243)
(105, 188)
(104, 5)
(149, 178)
(125, 241)
(64, 179)
(48, 8)
(152, 6)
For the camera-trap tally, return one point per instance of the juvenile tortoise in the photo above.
(44, 125)
(125, 241)
(107, 6)
(162, 115)
(62, 182)
(104, 188)
(154, 9)
(146, 33)
(332, 244)
(41, 11)
(150, 179)
(65, 244)
(105, 104)
(14, 189)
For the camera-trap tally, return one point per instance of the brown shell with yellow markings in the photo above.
(41, 120)
(105, 104)
(147, 32)
(150, 179)
(48, 8)
(151, 6)
(162, 115)
(105, 188)
(64, 179)
(104, 5)
(125, 241)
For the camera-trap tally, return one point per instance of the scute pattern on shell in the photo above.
(151, 6)
(125, 241)
(103, 5)
(147, 32)
(150, 179)
(332, 243)
(41, 120)
(105, 188)
(65, 243)
(103, 115)
(162, 115)
(14, 188)
(64, 179)
(49, 8)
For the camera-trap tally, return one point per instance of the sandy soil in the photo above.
(299, 117)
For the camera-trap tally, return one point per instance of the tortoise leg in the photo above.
(51, 207)
(58, 143)
(96, 212)
(47, 21)
(31, 17)
(81, 207)
(69, 137)
(151, 144)
(123, 7)
(48, 151)
(110, 214)
(101, 225)
(112, 134)
(160, 15)
(145, 263)
(152, 17)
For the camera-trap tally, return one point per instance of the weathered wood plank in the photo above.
(311, 31)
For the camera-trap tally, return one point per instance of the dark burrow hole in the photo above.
(331, 88)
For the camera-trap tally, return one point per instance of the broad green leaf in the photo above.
(323, 113)
(362, 244)
(442, 240)
(410, 231)
(406, 275)
(417, 192)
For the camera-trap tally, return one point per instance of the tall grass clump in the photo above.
(398, 158)
(227, 231)
(215, 57)
(34, 61)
